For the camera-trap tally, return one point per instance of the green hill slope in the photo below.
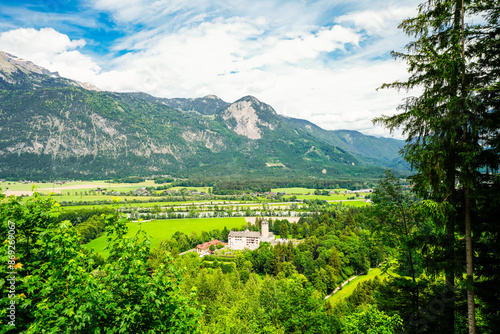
(53, 127)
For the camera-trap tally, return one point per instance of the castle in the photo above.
(238, 240)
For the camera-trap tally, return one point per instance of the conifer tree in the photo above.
(452, 126)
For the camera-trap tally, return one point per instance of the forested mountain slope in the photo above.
(56, 127)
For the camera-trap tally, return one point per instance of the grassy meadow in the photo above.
(73, 186)
(349, 288)
(333, 197)
(74, 191)
(164, 229)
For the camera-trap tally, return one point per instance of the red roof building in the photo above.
(204, 249)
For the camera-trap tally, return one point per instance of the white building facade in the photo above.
(239, 240)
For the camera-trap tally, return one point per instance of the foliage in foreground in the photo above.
(59, 288)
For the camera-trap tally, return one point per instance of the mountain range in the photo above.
(53, 127)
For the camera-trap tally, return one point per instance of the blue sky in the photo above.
(317, 60)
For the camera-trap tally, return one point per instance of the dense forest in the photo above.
(62, 287)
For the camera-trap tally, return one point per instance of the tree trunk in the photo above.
(471, 307)
(450, 274)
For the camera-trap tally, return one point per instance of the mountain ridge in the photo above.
(13, 69)
(56, 127)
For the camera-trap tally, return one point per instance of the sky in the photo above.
(317, 60)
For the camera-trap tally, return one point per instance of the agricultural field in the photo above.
(356, 203)
(69, 188)
(326, 197)
(164, 229)
(81, 193)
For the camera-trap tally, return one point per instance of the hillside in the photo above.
(52, 127)
(378, 151)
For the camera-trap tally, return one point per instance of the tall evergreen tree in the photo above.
(486, 66)
(397, 226)
(452, 127)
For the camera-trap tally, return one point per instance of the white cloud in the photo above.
(233, 58)
(28, 41)
(52, 50)
(344, 98)
(204, 57)
(378, 22)
(307, 45)
(147, 11)
(123, 10)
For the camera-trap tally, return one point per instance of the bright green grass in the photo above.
(164, 229)
(117, 187)
(324, 197)
(27, 186)
(349, 288)
(73, 186)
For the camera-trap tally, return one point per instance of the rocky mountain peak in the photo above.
(248, 116)
(251, 99)
(48, 126)
(10, 64)
(211, 97)
(15, 70)
(88, 86)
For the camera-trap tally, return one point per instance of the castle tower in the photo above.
(264, 226)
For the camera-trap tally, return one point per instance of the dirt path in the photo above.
(350, 279)
(341, 286)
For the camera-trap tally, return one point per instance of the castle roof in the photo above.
(247, 233)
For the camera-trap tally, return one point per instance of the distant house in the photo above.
(238, 240)
(204, 249)
(141, 192)
(270, 194)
